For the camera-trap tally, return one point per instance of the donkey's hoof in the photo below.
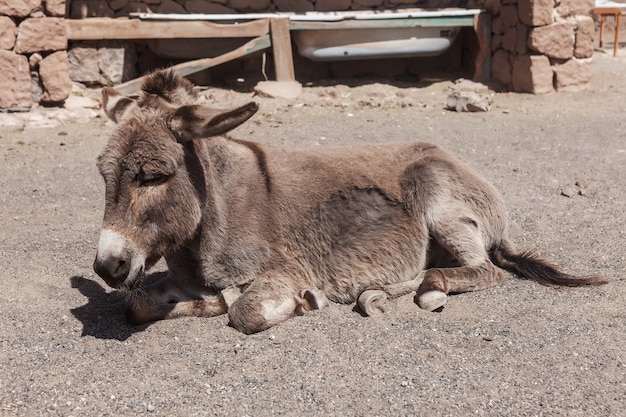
(431, 300)
(313, 299)
(372, 302)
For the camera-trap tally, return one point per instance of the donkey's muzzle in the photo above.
(113, 269)
(118, 261)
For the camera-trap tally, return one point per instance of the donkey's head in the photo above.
(153, 202)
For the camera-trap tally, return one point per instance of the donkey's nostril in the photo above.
(113, 270)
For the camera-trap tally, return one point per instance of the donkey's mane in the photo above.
(169, 86)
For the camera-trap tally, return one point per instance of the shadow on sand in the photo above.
(103, 315)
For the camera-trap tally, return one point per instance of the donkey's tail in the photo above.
(528, 264)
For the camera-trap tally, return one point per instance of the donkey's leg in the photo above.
(372, 300)
(271, 300)
(165, 299)
(462, 239)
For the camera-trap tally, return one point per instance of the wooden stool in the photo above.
(616, 12)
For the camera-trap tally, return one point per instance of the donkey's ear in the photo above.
(117, 106)
(197, 121)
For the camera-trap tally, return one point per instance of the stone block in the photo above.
(501, 69)
(331, 5)
(201, 6)
(119, 4)
(508, 14)
(497, 26)
(19, 8)
(568, 8)
(81, 9)
(117, 61)
(522, 39)
(170, 6)
(55, 8)
(135, 7)
(573, 75)
(15, 81)
(535, 12)
(43, 34)
(8, 32)
(532, 74)
(298, 6)
(365, 4)
(493, 6)
(585, 31)
(55, 77)
(83, 61)
(509, 39)
(555, 40)
(249, 5)
(496, 42)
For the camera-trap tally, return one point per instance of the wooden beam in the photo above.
(281, 46)
(482, 64)
(97, 28)
(191, 67)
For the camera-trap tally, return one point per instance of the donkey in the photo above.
(265, 234)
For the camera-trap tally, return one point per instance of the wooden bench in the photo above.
(267, 30)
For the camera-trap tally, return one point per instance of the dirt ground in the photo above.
(517, 350)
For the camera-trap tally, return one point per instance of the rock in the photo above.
(18, 8)
(585, 31)
(170, 6)
(83, 60)
(55, 78)
(15, 82)
(555, 40)
(36, 87)
(246, 5)
(34, 60)
(532, 74)
(332, 5)
(55, 8)
(535, 12)
(297, 6)
(8, 32)
(44, 34)
(573, 75)
(567, 8)
(569, 191)
(509, 16)
(80, 9)
(200, 6)
(463, 84)
(501, 69)
(509, 40)
(118, 4)
(468, 101)
(74, 102)
(279, 89)
(116, 61)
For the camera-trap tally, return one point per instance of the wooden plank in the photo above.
(281, 46)
(97, 28)
(482, 64)
(446, 21)
(191, 67)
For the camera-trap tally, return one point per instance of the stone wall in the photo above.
(34, 67)
(538, 46)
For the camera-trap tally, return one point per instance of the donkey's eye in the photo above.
(151, 179)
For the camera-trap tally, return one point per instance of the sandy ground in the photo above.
(516, 350)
